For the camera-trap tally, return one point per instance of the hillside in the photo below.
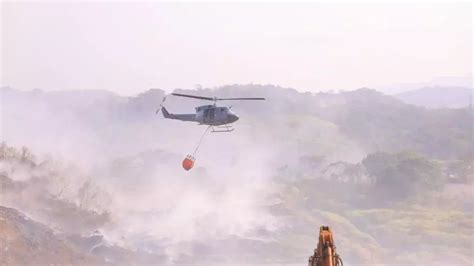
(102, 174)
(24, 241)
(438, 97)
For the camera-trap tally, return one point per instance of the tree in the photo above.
(26, 156)
(402, 174)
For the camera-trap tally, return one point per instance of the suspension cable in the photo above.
(200, 140)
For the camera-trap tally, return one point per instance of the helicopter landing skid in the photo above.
(219, 129)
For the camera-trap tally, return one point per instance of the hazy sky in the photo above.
(130, 47)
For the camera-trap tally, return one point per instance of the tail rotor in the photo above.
(161, 105)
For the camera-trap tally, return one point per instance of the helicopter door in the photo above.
(212, 114)
(209, 115)
(205, 115)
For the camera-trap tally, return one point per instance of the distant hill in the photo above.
(437, 97)
(376, 121)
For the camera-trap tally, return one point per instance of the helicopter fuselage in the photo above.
(215, 115)
(206, 115)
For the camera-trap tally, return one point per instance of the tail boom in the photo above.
(182, 117)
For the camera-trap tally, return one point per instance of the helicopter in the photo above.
(218, 118)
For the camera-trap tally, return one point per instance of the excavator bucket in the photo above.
(325, 252)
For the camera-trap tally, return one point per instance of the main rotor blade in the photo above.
(239, 99)
(193, 96)
(216, 99)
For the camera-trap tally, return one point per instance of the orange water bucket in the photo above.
(188, 162)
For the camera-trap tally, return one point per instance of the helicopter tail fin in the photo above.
(165, 112)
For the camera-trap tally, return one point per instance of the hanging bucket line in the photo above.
(200, 140)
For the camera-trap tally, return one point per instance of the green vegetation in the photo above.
(441, 234)
(382, 123)
(401, 175)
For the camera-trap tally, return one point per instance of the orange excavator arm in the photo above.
(325, 253)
